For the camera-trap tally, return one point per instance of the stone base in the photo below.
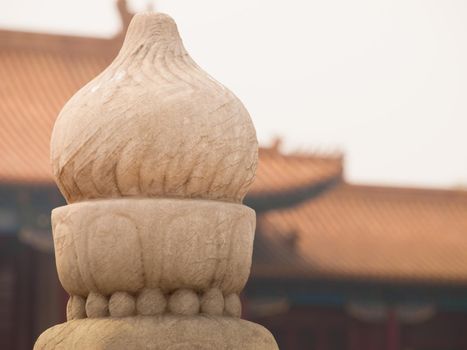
(166, 332)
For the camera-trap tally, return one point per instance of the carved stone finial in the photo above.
(154, 158)
(153, 124)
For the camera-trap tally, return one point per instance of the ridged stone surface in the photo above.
(154, 158)
(233, 305)
(212, 302)
(97, 305)
(129, 244)
(122, 304)
(76, 308)
(151, 302)
(154, 124)
(184, 302)
(157, 333)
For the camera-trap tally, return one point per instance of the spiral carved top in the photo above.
(154, 124)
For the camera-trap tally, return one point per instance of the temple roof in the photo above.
(40, 72)
(280, 173)
(349, 231)
(367, 233)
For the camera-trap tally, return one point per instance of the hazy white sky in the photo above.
(383, 81)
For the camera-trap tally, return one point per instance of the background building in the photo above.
(335, 266)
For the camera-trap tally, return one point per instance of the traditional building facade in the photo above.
(335, 265)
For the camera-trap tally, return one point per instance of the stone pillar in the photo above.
(154, 158)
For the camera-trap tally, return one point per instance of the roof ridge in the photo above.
(46, 41)
(23, 40)
(331, 155)
(406, 189)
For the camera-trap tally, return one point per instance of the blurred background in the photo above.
(361, 110)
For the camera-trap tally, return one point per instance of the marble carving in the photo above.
(154, 158)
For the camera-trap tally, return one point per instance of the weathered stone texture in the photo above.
(154, 158)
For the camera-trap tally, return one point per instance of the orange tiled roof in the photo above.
(347, 232)
(363, 232)
(281, 173)
(40, 72)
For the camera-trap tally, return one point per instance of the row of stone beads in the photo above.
(151, 302)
